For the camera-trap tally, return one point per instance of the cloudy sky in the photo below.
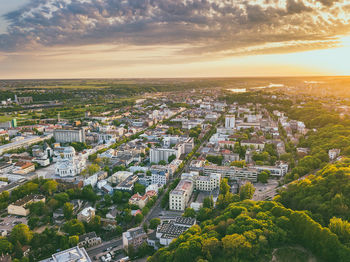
(173, 38)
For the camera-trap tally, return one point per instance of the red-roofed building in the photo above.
(139, 200)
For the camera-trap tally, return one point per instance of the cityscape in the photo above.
(174, 131)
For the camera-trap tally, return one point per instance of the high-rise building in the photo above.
(230, 121)
(69, 135)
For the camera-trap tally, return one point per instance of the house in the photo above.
(333, 153)
(139, 200)
(112, 214)
(86, 214)
(89, 240)
(134, 237)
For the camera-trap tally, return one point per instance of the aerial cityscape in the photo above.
(174, 131)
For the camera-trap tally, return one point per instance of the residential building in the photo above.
(159, 154)
(86, 214)
(233, 173)
(139, 200)
(134, 237)
(127, 184)
(230, 121)
(159, 177)
(89, 240)
(73, 254)
(333, 153)
(208, 183)
(69, 135)
(256, 144)
(179, 197)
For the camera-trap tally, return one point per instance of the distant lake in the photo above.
(238, 90)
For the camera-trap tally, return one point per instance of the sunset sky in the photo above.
(173, 38)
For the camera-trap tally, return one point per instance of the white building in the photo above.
(69, 255)
(179, 197)
(159, 154)
(333, 153)
(91, 180)
(69, 135)
(230, 121)
(208, 183)
(68, 163)
(160, 177)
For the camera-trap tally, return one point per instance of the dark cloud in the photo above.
(214, 25)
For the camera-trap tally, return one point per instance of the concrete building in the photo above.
(69, 135)
(159, 154)
(171, 229)
(159, 177)
(134, 237)
(20, 208)
(233, 173)
(256, 144)
(230, 121)
(89, 240)
(24, 142)
(127, 184)
(179, 197)
(278, 170)
(208, 183)
(86, 214)
(73, 254)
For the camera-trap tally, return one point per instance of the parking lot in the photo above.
(8, 222)
(265, 191)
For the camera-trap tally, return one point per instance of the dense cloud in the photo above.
(207, 25)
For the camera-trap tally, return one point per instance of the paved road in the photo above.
(115, 244)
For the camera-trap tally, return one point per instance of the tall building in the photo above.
(179, 197)
(159, 154)
(230, 121)
(69, 135)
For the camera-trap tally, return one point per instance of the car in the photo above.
(109, 248)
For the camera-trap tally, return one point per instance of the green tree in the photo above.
(50, 186)
(73, 241)
(246, 191)
(154, 223)
(189, 212)
(68, 210)
(5, 246)
(224, 187)
(21, 233)
(263, 177)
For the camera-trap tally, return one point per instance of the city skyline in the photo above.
(138, 39)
